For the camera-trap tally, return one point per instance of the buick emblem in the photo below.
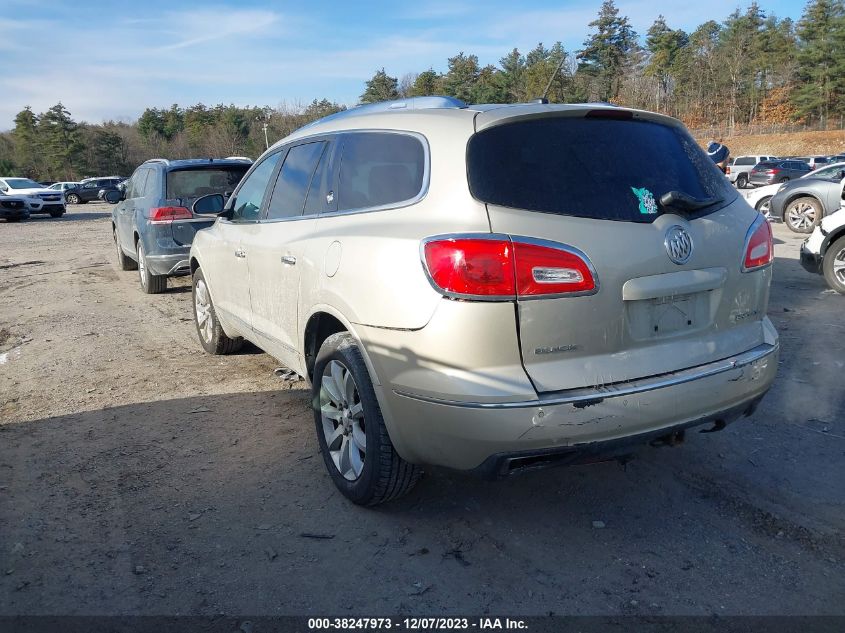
(678, 244)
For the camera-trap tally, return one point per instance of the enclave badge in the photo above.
(678, 244)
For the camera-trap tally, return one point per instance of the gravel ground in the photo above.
(139, 475)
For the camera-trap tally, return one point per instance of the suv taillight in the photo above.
(759, 246)
(164, 215)
(728, 170)
(501, 267)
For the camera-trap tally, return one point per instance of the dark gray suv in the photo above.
(152, 224)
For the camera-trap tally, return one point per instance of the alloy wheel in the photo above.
(202, 308)
(142, 265)
(801, 216)
(342, 414)
(839, 266)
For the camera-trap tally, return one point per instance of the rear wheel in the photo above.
(353, 439)
(124, 262)
(834, 265)
(150, 283)
(741, 181)
(803, 214)
(212, 336)
(56, 214)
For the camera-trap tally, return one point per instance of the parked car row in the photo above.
(803, 202)
(34, 197)
(760, 170)
(457, 295)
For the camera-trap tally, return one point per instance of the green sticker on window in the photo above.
(648, 205)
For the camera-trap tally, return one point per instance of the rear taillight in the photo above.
(772, 171)
(501, 267)
(164, 215)
(759, 247)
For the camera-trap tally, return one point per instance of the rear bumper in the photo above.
(171, 264)
(504, 464)
(571, 425)
(812, 262)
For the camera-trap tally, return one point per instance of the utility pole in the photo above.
(264, 123)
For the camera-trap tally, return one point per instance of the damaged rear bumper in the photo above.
(498, 438)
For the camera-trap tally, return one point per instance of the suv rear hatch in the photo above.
(184, 185)
(593, 180)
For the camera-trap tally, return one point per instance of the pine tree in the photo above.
(607, 51)
(382, 87)
(426, 84)
(821, 60)
(664, 46)
(27, 152)
(61, 141)
(459, 81)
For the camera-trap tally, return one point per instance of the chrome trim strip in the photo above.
(640, 385)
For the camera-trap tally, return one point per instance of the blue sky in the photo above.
(110, 60)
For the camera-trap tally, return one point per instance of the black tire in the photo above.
(741, 181)
(150, 283)
(784, 179)
(835, 257)
(384, 475)
(13, 219)
(72, 198)
(56, 214)
(797, 220)
(215, 342)
(123, 261)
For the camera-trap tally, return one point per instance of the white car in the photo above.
(39, 198)
(759, 197)
(823, 253)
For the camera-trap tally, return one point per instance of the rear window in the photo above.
(196, 182)
(768, 165)
(592, 168)
(745, 160)
(379, 168)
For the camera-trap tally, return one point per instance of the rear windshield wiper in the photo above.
(680, 201)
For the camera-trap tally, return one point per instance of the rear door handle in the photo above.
(290, 260)
(240, 253)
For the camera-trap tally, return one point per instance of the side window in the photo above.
(151, 185)
(321, 197)
(246, 203)
(288, 197)
(136, 183)
(379, 168)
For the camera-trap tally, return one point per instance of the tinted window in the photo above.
(288, 197)
(746, 160)
(200, 181)
(136, 184)
(379, 168)
(247, 205)
(321, 198)
(593, 168)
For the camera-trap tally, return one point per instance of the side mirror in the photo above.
(113, 196)
(211, 204)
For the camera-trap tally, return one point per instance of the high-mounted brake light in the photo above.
(500, 267)
(165, 215)
(759, 245)
(610, 113)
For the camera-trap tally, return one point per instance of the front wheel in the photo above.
(351, 432)
(151, 283)
(56, 214)
(123, 262)
(72, 198)
(212, 337)
(834, 266)
(764, 206)
(803, 214)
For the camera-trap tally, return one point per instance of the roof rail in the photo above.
(238, 158)
(411, 103)
(157, 160)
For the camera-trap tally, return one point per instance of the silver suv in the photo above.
(492, 288)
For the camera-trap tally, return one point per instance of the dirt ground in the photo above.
(139, 475)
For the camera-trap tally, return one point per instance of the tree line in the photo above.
(751, 68)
